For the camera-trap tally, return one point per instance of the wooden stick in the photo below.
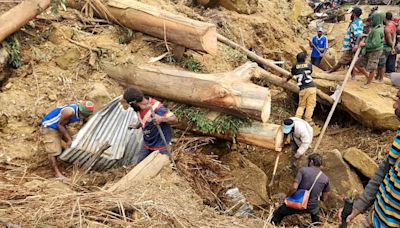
(320, 53)
(328, 119)
(253, 56)
(83, 45)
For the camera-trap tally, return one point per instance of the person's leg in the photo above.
(314, 212)
(282, 212)
(391, 63)
(372, 65)
(318, 61)
(313, 61)
(381, 66)
(52, 145)
(302, 103)
(311, 103)
(292, 159)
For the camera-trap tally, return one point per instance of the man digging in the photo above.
(54, 129)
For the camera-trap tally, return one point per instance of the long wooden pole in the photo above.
(328, 119)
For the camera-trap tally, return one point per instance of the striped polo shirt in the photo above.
(354, 31)
(387, 203)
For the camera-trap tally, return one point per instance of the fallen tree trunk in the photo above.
(276, 80)
(146, 169)
(264, 135)
(12, 20)
(339, 77)
(168, 26)
(230, 92)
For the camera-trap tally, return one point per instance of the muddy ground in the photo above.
(56, 71)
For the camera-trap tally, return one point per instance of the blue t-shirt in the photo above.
(319, 42)
(51, 119)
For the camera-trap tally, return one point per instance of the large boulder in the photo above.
(250, 179)
(360, 161)
(343, 181)
(373, 107)
(99, 95)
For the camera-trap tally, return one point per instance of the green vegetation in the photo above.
(125, 35)
(188, 63)
(54, 5)
(13, 47)
(222, 124)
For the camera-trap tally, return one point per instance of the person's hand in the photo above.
(362, 44)
(278, 149)
(69, 143)
(284, 80)
(353, 214)
(134, 126)
(393, 52)
(158, 119)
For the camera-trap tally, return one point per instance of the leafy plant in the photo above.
(55, 3)
(222, 124)
(126, 35)
(192, 64)
(13, 47)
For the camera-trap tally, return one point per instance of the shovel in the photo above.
(273, 174)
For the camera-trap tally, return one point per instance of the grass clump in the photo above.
(13, 47)
(222, 124)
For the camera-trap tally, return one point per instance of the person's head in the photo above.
(301, 57)
(320, 31)
(356, 12)
(315, 159)
(135, 98)
(288, 126)
(396, 105)
(85, 109)
(378, 19)
(389, 17)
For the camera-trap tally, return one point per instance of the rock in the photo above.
(68, 58)
(8, 86)
(58, 35)
(240, 6)
(3, 120)
(366, 105)
(360, 161)
(250, 179)
(343, 181)
(53, 97)
(99, 95)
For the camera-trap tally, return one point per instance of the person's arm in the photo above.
(389, 38)
(66, 115)
(295, 185)
(310, 42)
(163, 115)
(306, 140)
(374, 40)
(358, 32)
(325, 192)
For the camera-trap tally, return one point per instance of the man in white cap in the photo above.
(302, 136)
(319, 44)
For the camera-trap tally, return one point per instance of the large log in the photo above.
(174, 28)
(12, 20)
(230, 92)
(264, 135)
(146, 169)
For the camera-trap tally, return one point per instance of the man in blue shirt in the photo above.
(319, 44)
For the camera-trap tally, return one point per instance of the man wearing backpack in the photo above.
(309, 178)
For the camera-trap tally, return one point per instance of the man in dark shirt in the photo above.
(148, 120)
(308, 92)
(304, 180)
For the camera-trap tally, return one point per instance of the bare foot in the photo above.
(365, 86)
(59, 176)
(353, 77)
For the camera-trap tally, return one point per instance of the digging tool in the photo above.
(274, 173)
(163, 138)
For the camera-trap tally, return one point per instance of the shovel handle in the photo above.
(275, 168)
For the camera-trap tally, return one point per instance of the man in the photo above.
(351, 40)
(391, 59)
(304, 180)
(383, 189)
(302, 135)
(54, 129)
(319, 44)
(388, 46)
(301, 72)
(162, 116)
(371, 49)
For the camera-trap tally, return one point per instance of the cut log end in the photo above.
(209, 41)
(266, 109)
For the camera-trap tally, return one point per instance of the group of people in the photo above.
(382, 191)
(378, 55)
(377, 38)
(150, 112)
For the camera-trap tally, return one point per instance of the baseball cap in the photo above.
(287, 126)
(320, 29)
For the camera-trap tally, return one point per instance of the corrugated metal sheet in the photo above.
(109, 125)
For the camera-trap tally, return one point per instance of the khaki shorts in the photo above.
(51, 140)
(370, 60)
(346, 57)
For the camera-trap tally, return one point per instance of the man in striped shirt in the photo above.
(351, 40)
(383, 190)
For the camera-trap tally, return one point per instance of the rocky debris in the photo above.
(360, 161)
(329, 59)
(240, 6)
(250, 179)
(3, 121)
(342, 179)
(59, 34)
(99, 95)
(70, 56)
